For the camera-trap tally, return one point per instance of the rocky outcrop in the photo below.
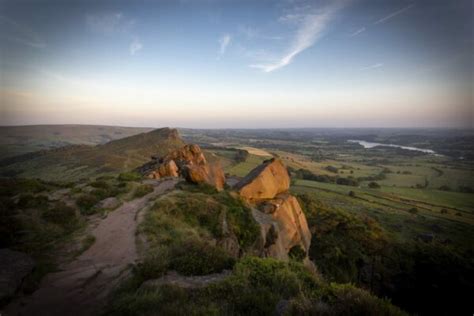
(188, 162)
(14, 267)
(265, 181)
(282, 222)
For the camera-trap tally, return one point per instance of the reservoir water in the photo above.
(368, 145)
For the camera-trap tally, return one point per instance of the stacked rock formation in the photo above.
(188, 162)
(282, 221)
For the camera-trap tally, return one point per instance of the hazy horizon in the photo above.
(237, 64)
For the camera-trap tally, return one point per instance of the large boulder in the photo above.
(188, 162)
(265, 181)
(283, 225)
(14, 267)
(288, 228)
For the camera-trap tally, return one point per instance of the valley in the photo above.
(389, 221)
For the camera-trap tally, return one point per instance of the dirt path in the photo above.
(82, 286)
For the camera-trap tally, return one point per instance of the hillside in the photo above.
(78, 161)
(17, 140)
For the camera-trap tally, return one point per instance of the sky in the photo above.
(237, 64)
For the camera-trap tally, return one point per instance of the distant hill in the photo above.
(77, 161)
(17, 140)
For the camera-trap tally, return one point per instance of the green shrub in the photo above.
(202, 187)
(374, 185)
(345, 299)
(193, 257)
(413, 210)
(99, 184)
(86, 203)
(62, 215)
(297, 253)
(142, 190)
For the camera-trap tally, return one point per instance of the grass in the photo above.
(256, 287)
(142, 190)
(243, 168)
(201, 215)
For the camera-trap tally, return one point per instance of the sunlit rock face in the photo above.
(282, 222)
(188, 162)
(264, 182)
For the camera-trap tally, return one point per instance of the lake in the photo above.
(368, 145)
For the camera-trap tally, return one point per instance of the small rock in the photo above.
(109, 203)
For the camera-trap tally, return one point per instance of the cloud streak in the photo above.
(374, 66)
(393, 14)
(116, 23)
(224, 41)
(361, 30)
(310, 29)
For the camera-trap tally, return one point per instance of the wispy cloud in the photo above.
(310, 28)
(109, 23)
(393, 14)
(224, 41)
(374, 66)
(361, 30)
(135, 46)
(255, 33)
(115, 23)
(19, 33)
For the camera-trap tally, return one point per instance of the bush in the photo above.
(142, 190)
(193, 257)
(62, 215)
(297, 253)
(374, 185)
(241, 155)
(445, 188)
(413, 210)
(86, 202)
(347, 181)
(202, 187)
(26, 201)
(332, 169)
(345, 299)
(100, 184)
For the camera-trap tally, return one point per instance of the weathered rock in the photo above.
(166, 169)
(282, 222)
(264, 182)
(284, 228)
(293, 227)
(188, 162)
(228, 241)
(109, 203)
(14, 267)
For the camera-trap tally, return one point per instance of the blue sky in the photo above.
(252, 64)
